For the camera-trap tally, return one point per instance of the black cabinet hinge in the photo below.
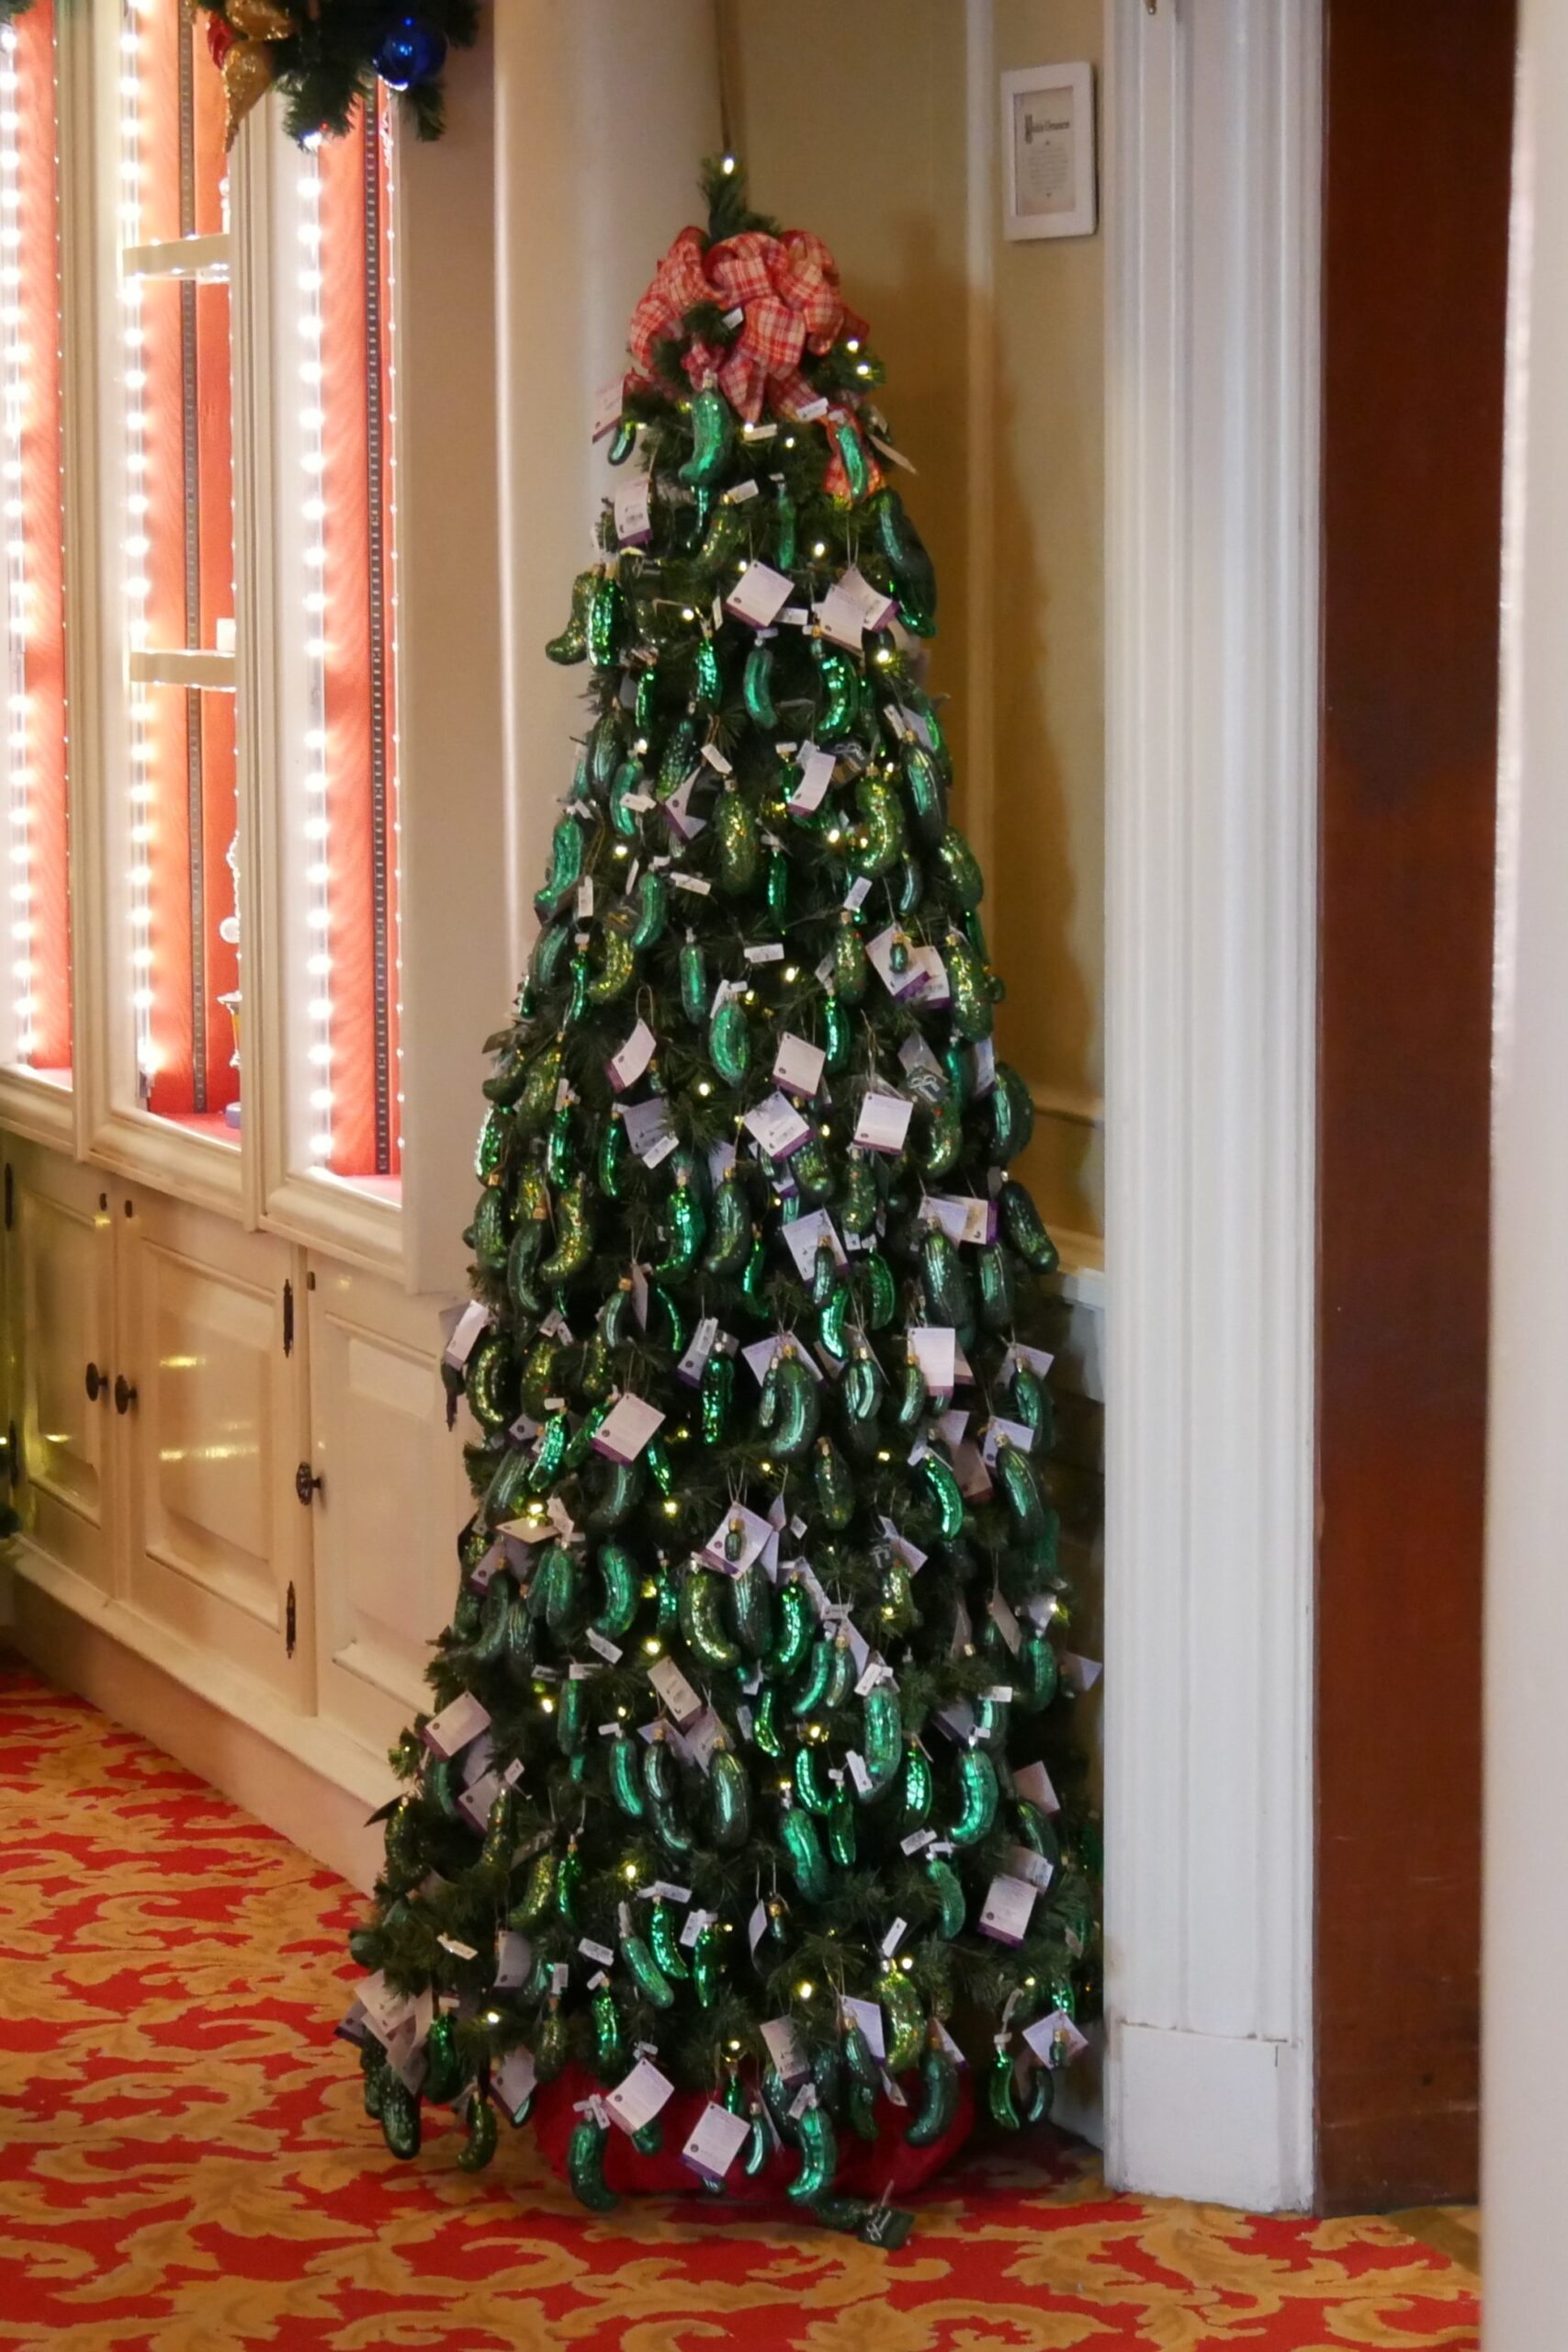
(291, 1623)
(288, 1318)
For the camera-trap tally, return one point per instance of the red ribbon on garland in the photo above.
(787, 290)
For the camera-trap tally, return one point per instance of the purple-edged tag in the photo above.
(627, 1429)
(778, 1127)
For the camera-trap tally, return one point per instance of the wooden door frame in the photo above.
(1417, 122)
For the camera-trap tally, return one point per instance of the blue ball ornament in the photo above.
(410, 51)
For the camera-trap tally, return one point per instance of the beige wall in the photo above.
(860, 118)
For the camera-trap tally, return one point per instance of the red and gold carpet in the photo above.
(185, 2166)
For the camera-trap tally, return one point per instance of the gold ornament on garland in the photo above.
(248, 62)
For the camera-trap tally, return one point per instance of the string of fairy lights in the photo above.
(136, 587)
(317, 823)
(14, 379)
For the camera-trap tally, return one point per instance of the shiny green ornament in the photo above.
(694, 988)
(706, 1967)
(551, 2043)
(751, 1609)
(882, 1741)
(607, 621)
(574, 1234)
(687, 1229)
(960, 870)
(399, 2117)
(444, 2070)
(626, 1781)
(778, 886)
(917, 1788)
(753, 1282)
(795, 1622)
(729, 1797)
(490, 1153)
(713, 438)
(839, 696)
(605, 749)
(585, 2166)
(665, 1942)
(912, 567)
(841, 1828)
(1024, 1228)
(539, 1376)
(568, 1882)
(642, 1967)
(489, 1383)
(949, 1892)
(679, 758)
(834, 1484)
(879, 844)
(945, 1494)
(1000, 2101)
(623, 441)
(571, 644)
(645, 710)
(757, 687)
(799, 1406)
(567, 858)
(740, 843)
(539, 1895)
(716, 1397)
(997, 1303)
(1012, 1116)
(818, 2156)
(802, 1852)
(928, 793)
(812, 1787)
(851, 453)
(652, 909)
(858, 1195)
(765, 1734)
(786, 528)
(977, 1788)
(906, 2021)
(836, 1034)
(972, 1011)
(707, 679)
(729, 1042)
(701, 1620)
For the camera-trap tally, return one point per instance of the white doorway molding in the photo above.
(1213, 212)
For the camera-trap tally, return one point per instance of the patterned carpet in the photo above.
(185, 2166)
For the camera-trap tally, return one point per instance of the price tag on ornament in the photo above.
(514, 1959)
(475, 1803)
(876, 608)
(766, 951)
(703, 1736)
(894, 1938)
(674, 1690)
(935, 1347)
(693, 1365)
(607, 408)
(473, 1319)
(602, 1646)
(626, 1428)
(1055, 2039)
(1034, 1783)
(816, 775)
(1080, 1673)
(798, 1064)
(601, 1954)
(635, 2101)
(841, 615)
(895, 457)
(983, 1060)
(808, 412)
(717, 760)
(634, 512)
(716, 2141)
(742, 492)
(963, 1216)
(901, 1547)
(919, 1061)
(1004, 1915)
(917, 1841)
(867, 2015)
(737, 1541)
(758, 595)
(757, 1926)
(696, 1921)
(806, 1236)
(1036, 1359)
(859, 1771)
(513, 2083)
(650, 1130)
(975, 1481)
(1006, 1623)
(1033, 1867)
(1001, 1433)
(778, 1127)
(758, 1358)
(786, 2049)
(883, 1121)
(624, 1068)
(914, 977)
(450, 1732)
(477, 1758)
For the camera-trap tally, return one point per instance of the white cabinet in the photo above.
(233, 1456)
(213, 1401)
(59, 1353)
(392, 1499)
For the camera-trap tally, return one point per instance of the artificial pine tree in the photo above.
(738, 1762)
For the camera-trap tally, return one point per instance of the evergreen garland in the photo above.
(333, 57)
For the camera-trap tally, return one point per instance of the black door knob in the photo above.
(124, 1393)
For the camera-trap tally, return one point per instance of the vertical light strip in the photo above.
(13, 419)
(384, 126)
(313, 541)
(379, 584)
(136, 587)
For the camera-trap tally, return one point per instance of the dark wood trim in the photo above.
(1417, 126)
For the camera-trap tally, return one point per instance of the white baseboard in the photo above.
(1206, 2116)
(312, 1784)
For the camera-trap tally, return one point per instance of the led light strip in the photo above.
(384, 134)
(13, 419)
(313, 515)
(136, 587)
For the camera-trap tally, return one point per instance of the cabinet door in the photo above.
(213, 1417)
(59, 1296)
(393, 1497)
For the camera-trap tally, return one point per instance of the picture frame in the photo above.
(1049, 152)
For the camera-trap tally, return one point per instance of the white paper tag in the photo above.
(650, 1130)
(608, 407)
(860, 1772)
(695, 1923)
(962, 1216)
(514, 1959)
(867, 2015)
(894, 1938)
(1055, 2039)
(674, 1690)
(1006, 1623)
(1080, 1673)
(841, 615)
(716, 2141)
(639, 2099)
(999, 1431)
(816, 775)
(883, 1121)
(917, 1841)
(982, 1057)
(786, 2049)
(757, 1926)
(777, 1125)
(624, 1068)
(758, 595)
(876, 610)
(476, 1800)
(473, 1319)
(600, 1953)
(633, 515)
(695, 1362)
(627, 1429)
(798, 1064)
(934, 1348)
(513, 2082)
(602, 1647)
(451, 1730)
(749, 1534)
(766, 951)
(895, 457)
(1005, 1912)
(1037, 1359)
(806, 1236)
(1033, 1867)
(458, 1949)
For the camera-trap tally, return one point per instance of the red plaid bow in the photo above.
(787, 288)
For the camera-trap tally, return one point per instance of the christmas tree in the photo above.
(738, 1790)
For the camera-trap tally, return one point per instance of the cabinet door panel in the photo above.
(392, 1502)
(61, 1301)
(219, 1540)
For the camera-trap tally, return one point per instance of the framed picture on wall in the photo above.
(1048, 152)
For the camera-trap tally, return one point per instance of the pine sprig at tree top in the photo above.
(751, 1704)
(326, 56)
